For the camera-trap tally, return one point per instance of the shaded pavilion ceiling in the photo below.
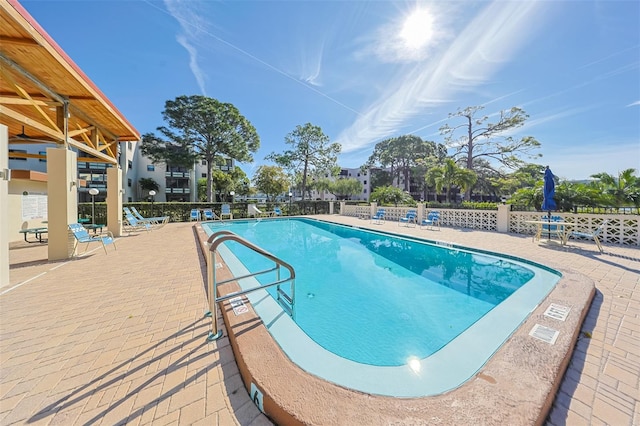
(45, 97)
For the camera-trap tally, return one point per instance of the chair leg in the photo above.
(597, 240)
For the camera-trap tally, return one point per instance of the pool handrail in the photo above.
(213, 242)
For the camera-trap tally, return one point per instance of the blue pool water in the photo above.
(381, 300)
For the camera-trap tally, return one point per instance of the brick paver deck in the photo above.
(121, 338)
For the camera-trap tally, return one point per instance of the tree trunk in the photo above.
(467, 193)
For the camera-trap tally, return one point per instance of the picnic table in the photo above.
(35, 231)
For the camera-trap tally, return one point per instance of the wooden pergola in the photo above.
(45, 97)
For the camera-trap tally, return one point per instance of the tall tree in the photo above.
(401, 154)
(311, 153)
(491, 140)
(199, 127)
(271, 181)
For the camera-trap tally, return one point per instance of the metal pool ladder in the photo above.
(285, 300)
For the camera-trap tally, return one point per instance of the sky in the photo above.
(366, 71)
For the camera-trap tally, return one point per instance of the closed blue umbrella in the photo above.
(548, 192)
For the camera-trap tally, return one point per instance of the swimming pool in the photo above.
(371, 305)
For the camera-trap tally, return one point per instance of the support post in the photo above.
(62, 201)
(503, 218)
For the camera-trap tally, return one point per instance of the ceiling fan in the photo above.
(23, 137)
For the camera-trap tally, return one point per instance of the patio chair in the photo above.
(208, 214)
(225, 210)
(591, 235)
(158, 220)
(195, 215)
(378, 218)
(131, 224)
(433, 219)
(276, 212)
(81, 235)
(410, 218)
(551, 228)
(254, 211)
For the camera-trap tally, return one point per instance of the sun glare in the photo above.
(417, 29)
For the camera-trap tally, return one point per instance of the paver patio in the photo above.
(120, 338)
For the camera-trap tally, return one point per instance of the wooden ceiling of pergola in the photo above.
(39, 82)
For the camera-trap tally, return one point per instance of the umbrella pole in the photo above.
(549, 225)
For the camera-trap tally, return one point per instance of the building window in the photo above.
(151, 168)
(129, 146)
(365, 182)
(365, 191)
(129, 183)
(130, 199)
(21, 151)
(43, 160)
(204, 162)
(204, 175)
(130, 164)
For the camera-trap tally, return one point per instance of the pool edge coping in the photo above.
(291, 395)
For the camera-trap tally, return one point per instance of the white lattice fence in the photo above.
(620, 229)
(356, 211)
(474, 219)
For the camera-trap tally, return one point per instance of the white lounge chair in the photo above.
(254, 211)
(591, 235)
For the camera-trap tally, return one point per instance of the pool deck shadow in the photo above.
(121, 338)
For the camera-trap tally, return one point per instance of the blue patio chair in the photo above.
(81, 235)
(132, 224)
(378, 218)
(158, 220)
(433, 219)
(276, 212)
(552, 229)
(410, 219)
(225, 210)
(208, 214)
(591, 235)
(195, 214)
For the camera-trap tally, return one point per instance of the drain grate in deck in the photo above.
(545, 334)
(558, 312)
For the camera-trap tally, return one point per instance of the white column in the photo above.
(4, 201)
(114, 200)
(330, 207)
(503, 217)
(422, 213)
(62, 201)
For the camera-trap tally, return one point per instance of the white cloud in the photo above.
(473, 57)
(634, 103)
(193, 27)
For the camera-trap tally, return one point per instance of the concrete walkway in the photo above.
(120, 338)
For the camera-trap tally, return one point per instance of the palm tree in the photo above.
(148, 184)
(621, 191)
(449, 175)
